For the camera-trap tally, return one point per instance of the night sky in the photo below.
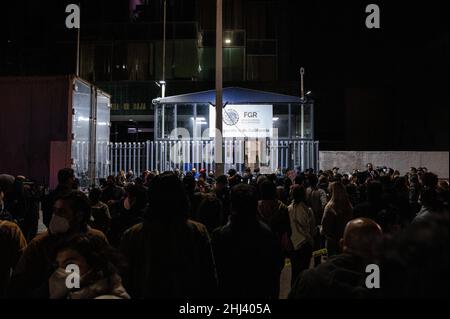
(381, 89)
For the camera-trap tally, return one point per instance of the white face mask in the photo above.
(58, 225)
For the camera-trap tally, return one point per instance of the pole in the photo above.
(163, 81)
(302, 88)
(219, 168)
(302, 106)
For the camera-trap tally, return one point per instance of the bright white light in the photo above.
(200, 121)
(276, 119)
(227, 41)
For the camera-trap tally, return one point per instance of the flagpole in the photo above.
(219, 167)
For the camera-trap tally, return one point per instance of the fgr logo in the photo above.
(373, 19)
(373, 279)
(73, 19)
(73, 277)
(230, 117)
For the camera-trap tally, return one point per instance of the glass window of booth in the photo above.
(165, 117)
(281, 120)
(302, 121)
(185, 122)
(202, 122)
(192, 121)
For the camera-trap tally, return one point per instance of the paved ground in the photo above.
(285, 281)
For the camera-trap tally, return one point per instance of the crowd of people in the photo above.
(193, 235)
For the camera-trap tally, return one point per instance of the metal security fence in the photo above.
(269, 155)
(84, 168)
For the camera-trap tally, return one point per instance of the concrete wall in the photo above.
(436, 162)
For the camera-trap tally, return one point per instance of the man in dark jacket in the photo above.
(66, 180)
(169, 256)
(128, 213)
(374, 204)
(343, 276)
(246, 251)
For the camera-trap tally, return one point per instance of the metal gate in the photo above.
(269, 155)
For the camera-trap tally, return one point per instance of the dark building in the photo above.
(383, 89)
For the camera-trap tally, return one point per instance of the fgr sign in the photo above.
(240, 121)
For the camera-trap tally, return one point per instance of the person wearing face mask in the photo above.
(71, 213)
(99, 266)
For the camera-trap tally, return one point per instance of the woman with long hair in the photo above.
(338, 212)
(302, 231)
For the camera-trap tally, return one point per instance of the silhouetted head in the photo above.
(136, 196)
(232, 172)
(244, 201)
(189, 183)
(210, 212)
(414, 179)
(267, 190)
(298, 194)
(139, 181)
(313, 180)
(221, 182)
(374, 192)
(400, 185)
(429, 180)
(94, 195)
(361, 237)
(168, 198)
(66, 177)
